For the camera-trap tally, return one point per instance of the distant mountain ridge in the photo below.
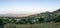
(45, 14)
(14, 15)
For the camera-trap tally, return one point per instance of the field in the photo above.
(42, 25)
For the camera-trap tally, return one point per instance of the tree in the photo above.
(41, 20)
(1, 23)
(57, 19)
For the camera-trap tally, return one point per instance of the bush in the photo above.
(57, 19)
(41, 20)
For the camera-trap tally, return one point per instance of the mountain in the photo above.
(47, 14)
(43, 14)
(57, 12)
(14, 15)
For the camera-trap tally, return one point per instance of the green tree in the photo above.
(57, 19)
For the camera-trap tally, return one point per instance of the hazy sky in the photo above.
(28, 6)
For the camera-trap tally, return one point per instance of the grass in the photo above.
(42, 25)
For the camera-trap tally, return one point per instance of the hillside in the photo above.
(46, 15)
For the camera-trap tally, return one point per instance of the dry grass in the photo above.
(42, 25)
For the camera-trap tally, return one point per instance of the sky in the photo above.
(28, 6)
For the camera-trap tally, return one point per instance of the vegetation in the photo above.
(42, 20)
(41, 25)
(34, 19)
